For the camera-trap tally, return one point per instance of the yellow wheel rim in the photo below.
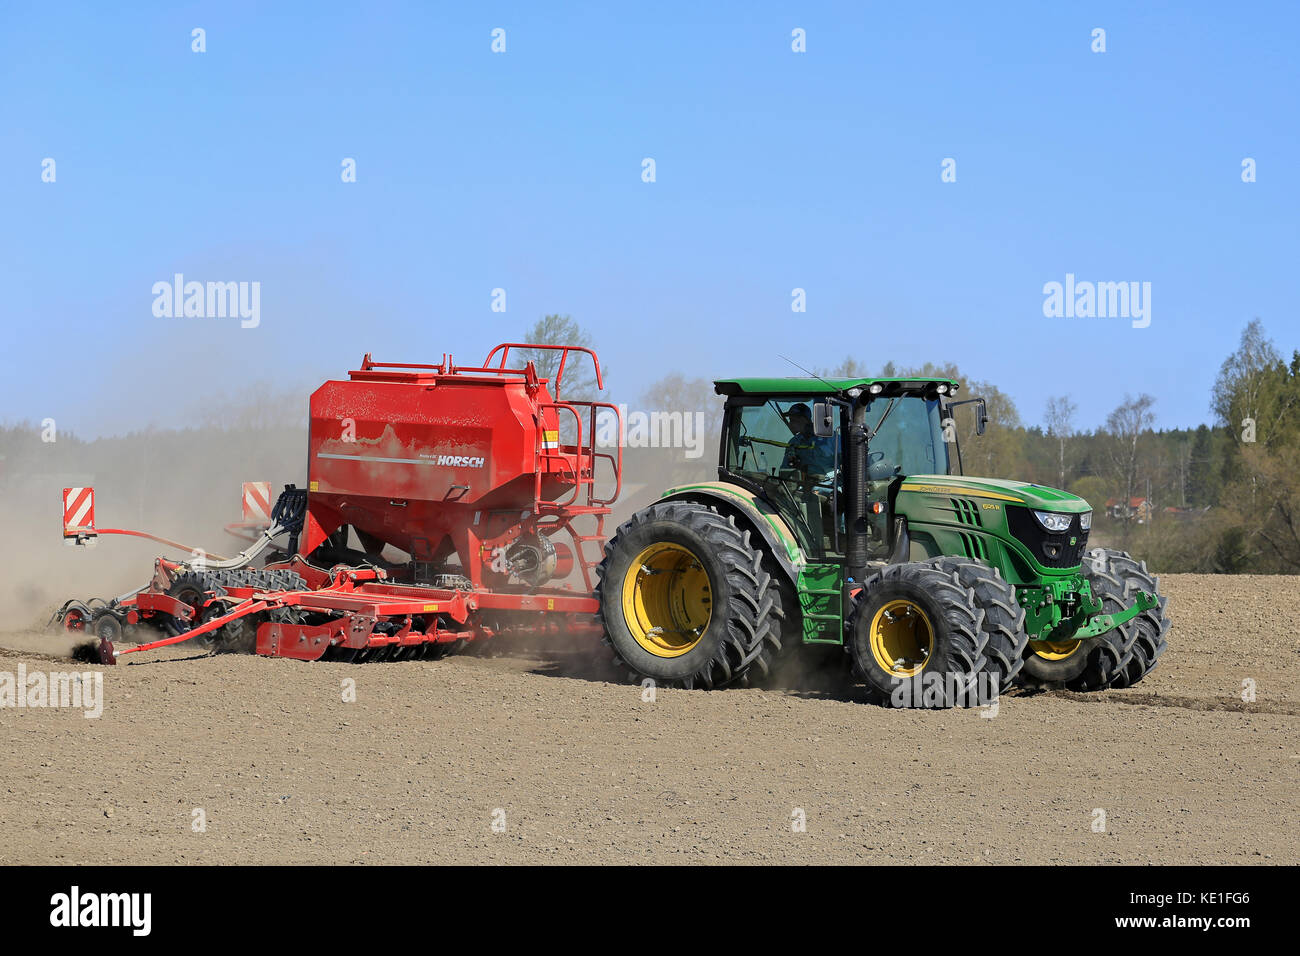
(667, 599)
(1054, 650)
(902, 638)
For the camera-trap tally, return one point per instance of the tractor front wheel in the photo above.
(917, 638)
(1116, 658)
(1055, 663)
(1004, 618)
(1152, 626)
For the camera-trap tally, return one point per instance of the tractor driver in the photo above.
(814, 459)
(805, 452)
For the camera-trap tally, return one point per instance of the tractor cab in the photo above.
(790, 442)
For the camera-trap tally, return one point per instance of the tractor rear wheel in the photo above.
(685, 599)
(1004, 618)
(917, 636)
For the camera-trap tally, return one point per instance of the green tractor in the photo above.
(841, 517)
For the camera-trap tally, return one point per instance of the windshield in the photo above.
(773, 444)
(775, 440)
(910, 442)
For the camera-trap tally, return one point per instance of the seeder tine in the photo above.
(107, 655)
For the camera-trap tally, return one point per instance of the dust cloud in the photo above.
(182, 484)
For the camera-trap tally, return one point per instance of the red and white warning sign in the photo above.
(257, 502)
(78, 511)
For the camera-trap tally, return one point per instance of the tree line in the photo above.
(1222, 497)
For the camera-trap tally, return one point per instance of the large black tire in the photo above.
(191, 587)
(238, 636)
(1004, 618)
(1152, 626)
(1096, 661)
(782, 640)
(908, 605)
(714, 614)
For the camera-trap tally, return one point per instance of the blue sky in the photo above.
(522, 171)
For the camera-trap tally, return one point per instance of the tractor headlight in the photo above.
(1085, 520)
(1054, 522)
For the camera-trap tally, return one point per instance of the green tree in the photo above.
(1257, 398)
(1245, 397)
(1091, 489)
(1202, 479)
(1271, 515)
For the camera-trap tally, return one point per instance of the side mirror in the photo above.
(981, 412)
(823, 414)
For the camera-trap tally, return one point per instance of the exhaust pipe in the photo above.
(855, 488)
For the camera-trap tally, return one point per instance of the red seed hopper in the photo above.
(444, 503)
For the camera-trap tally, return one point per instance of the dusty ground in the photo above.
(582, 770)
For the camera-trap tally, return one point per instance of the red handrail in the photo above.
(548, 454)
(615, 463)
(505, 347)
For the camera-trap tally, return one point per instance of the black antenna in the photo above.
(811, 374)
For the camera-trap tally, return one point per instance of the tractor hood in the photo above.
(1039, 497)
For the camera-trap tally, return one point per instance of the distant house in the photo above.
(1137, 509)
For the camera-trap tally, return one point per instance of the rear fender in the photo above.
(751, 512)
